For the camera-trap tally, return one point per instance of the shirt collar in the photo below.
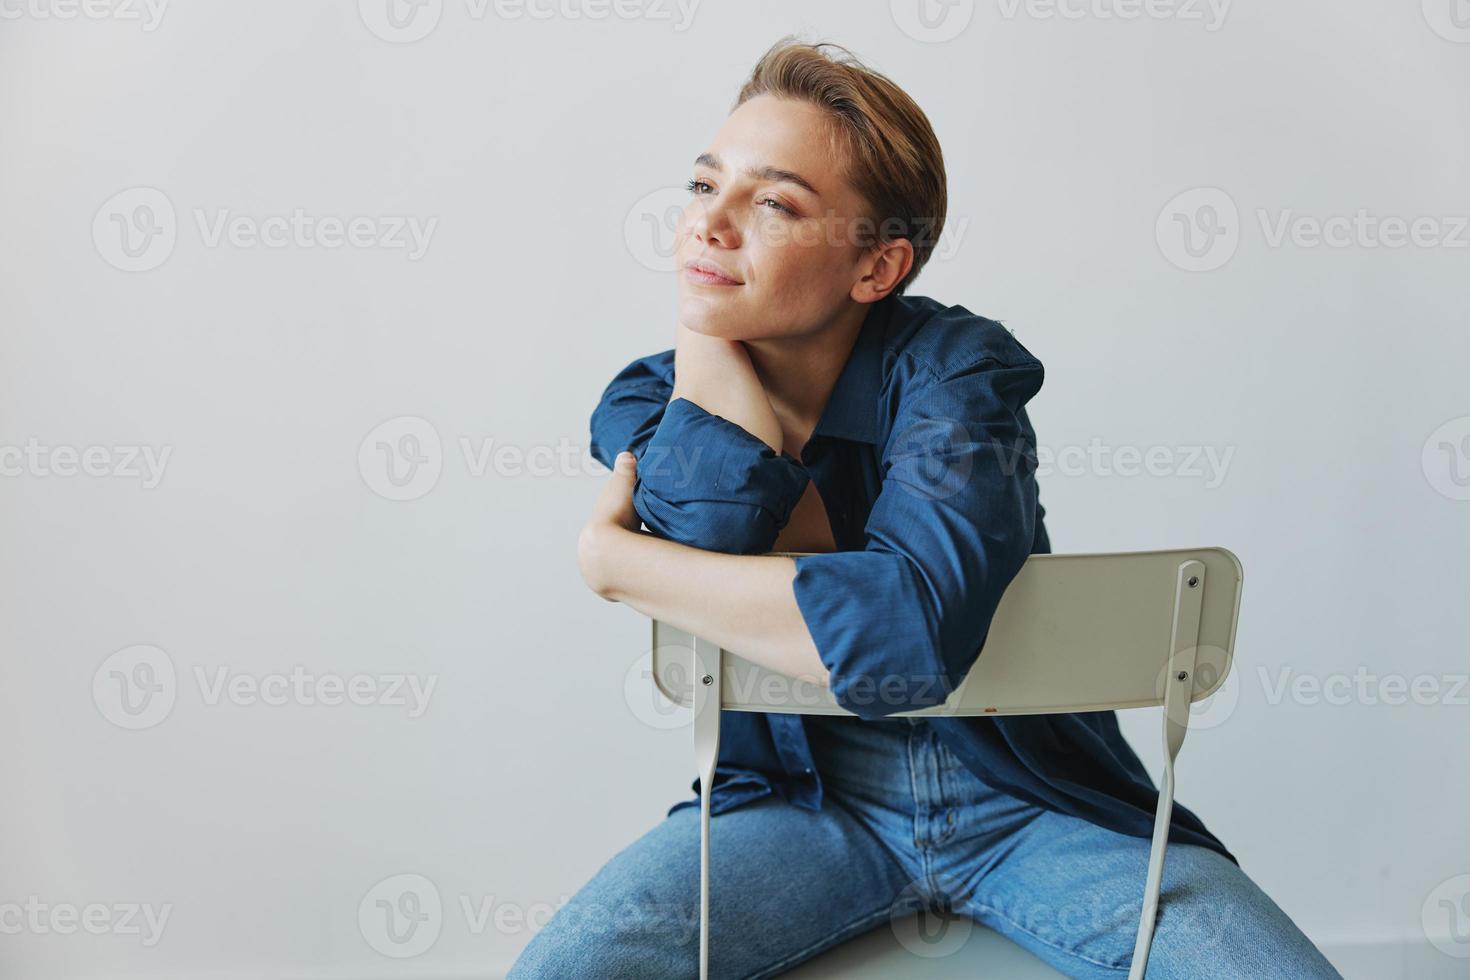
(852, 408)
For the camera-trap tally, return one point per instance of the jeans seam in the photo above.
(913, 780)
(856, 927)
(888, 849)
(981, 906)
(939, 767)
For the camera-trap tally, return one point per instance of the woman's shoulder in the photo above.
(947, 340)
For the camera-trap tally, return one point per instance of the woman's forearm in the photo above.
(744, 603)
(717, 375)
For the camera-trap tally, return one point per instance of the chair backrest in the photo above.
(1071, 633)
(1074, 632)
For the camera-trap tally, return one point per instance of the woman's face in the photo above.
(771, 221)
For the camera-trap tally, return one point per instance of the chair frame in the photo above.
(1200, 634)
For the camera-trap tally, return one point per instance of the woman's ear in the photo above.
(882, 269)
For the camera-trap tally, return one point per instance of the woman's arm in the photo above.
(744, 603)
(711, 473)
(717, 376)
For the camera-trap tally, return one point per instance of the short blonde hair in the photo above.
(892, 155)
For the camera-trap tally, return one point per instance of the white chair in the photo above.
(1082, 632)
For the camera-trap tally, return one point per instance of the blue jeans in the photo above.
(904, 826)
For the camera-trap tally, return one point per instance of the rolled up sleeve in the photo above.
(899, 624)
(706, 481)
(703, 480)
(628, 413)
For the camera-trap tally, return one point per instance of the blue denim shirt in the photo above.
(925, 461)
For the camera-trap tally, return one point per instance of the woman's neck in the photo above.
(798, 373)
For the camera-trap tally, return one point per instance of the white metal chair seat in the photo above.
(1083, 632)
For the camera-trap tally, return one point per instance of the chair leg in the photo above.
(1178, 694)
(707, 678)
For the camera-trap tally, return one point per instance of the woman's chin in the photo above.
(705, 317)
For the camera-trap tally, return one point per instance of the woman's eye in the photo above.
(696, 186)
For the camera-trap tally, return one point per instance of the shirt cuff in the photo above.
(705, 481)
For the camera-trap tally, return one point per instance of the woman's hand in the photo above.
(717, 375)
(614, 504)
(612, 518)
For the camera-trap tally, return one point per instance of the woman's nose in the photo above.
(709, 221)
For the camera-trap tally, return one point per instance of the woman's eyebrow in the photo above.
(760, 173)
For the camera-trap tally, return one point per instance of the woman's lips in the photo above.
(707, 277)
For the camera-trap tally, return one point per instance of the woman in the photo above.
(809, 405)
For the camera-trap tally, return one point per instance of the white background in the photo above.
(530, 146)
